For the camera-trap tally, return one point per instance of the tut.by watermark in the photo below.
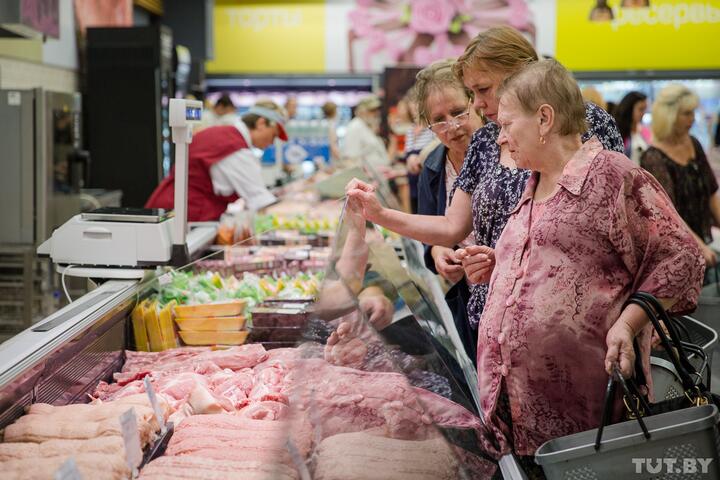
(671, 465)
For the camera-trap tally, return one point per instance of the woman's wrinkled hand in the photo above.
(620, 349)
(447, 264)
(364, 194)
(478, 262)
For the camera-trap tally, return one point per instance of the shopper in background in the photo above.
(678, 161)
(610, 108)
(223, 112)
(223, 168)
(628, 115)
(445, 109)
(417, 137)
(590, 229)
(361, 142)
(592, 94)
(291, 106)
(489, 185)
(329, 110)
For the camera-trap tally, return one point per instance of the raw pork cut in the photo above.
(199, 468)
(94, 466)
(364, 456)
(107, 445)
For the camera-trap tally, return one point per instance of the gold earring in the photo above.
(542, 139)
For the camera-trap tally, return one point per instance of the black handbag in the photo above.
(696, 391)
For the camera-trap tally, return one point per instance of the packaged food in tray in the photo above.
(280, 316)
(211, 324)
(276, 334)
(224, 309)
(213, 338)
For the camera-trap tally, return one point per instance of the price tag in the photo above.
(131, 439)
(154, 403)
(68, 471)
(14, 98)
(298, 460)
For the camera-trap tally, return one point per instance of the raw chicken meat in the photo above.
(200, 468)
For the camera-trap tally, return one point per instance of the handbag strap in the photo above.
(672, 325)
(677, 357)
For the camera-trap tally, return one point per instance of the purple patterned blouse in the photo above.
(496, 189)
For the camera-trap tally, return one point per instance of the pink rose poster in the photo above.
(42, 15)
(418, 32)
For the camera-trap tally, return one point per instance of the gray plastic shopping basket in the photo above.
(683, 435)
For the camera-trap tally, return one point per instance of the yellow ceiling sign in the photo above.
(268, 36)
(665, 35)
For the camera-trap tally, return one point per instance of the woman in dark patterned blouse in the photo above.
(678, 162)
(489, 185)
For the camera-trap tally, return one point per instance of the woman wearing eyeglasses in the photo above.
(489, 185)
(445, 109)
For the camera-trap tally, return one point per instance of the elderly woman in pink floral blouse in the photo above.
(590, 229)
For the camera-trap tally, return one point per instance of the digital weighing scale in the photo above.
(123, 242)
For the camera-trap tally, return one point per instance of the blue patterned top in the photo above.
(496, 189)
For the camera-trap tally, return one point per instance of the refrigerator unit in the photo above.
(129, 84)
(44, 174)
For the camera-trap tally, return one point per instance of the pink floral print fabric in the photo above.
(559, 284)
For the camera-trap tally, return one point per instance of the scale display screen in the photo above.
(193, 113)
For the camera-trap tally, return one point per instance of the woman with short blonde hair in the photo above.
(678, 161)
(489, 185)
(672, 100)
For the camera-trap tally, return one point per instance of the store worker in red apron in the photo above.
(222, 166)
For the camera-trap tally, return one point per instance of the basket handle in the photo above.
(630, 391)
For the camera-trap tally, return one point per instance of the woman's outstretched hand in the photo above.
(364, 194)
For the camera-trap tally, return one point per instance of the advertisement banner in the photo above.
(596, 35)
(266, 36)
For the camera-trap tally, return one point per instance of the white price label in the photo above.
(154, 403)
(164, 279)
(297, 459)
(68, 471)
(14, 98)
(131, 439)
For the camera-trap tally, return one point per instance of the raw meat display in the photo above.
(229, 437)
(38, 443)
(91, 466)
(110, 445)
(347, 456)
(202, 468)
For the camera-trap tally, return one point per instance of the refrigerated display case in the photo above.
(400, 389)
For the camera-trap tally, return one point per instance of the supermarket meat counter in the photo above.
(373, 365)
(286, 360)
